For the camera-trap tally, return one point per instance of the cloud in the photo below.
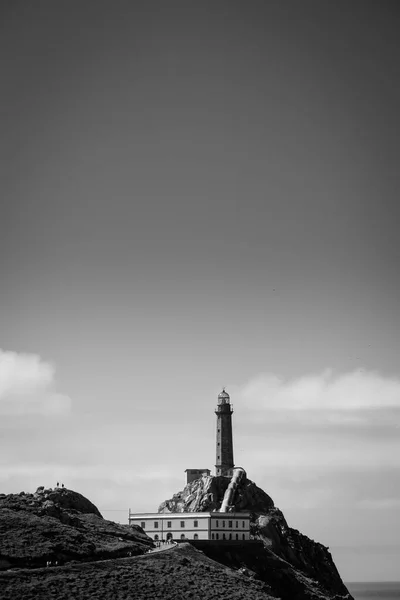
(323, 452)
(327, 422)
(27, 386)
(325, 392)
(117, 473)
(118, 486)
(380, 503)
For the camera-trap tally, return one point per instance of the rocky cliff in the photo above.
(291, 563)
(60, 525)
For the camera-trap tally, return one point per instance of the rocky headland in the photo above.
(293, 565)
(98, 559)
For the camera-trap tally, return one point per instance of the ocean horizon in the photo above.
(374, 590)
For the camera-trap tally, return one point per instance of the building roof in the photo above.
(190, 515)
(197, 470)
(223, 394)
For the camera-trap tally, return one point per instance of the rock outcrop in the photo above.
(291, 563)
(206, 494)
(60, 525)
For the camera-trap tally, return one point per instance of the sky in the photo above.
(197, 195)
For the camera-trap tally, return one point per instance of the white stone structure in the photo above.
(193, 474)
(230, 526)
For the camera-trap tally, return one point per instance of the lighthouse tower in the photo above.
(224, 450)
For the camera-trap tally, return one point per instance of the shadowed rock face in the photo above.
(60, 525)
(291, 563)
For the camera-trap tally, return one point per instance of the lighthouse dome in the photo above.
(223, 397)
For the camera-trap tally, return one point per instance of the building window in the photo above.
(156, 537)
(169, 524)
(212, 536)
(218, 444)
(169, 536)
(182, 523)
(237, 536)
(243, 536)
(155, 524)
(219, 457)
(230, 536)
(219, 430)
(223, 536)
(196, 523)
(143, 524)
(223, 523)
(237, 524)
(217, 536)
(229, 523)
(182, 536)
(195, 537)
(217, 525)
(243, 525)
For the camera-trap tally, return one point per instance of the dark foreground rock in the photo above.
(60, 525)
(293, 565)
(176, 574)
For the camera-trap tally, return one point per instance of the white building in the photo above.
(192, 474)
(233, 526)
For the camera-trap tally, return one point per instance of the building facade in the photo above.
(193, 474)
(224, 447)
(194, 526)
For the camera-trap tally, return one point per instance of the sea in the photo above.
(382, 590)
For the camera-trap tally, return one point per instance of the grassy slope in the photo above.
(179, 573)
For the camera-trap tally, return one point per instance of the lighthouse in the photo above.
(224, 449)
